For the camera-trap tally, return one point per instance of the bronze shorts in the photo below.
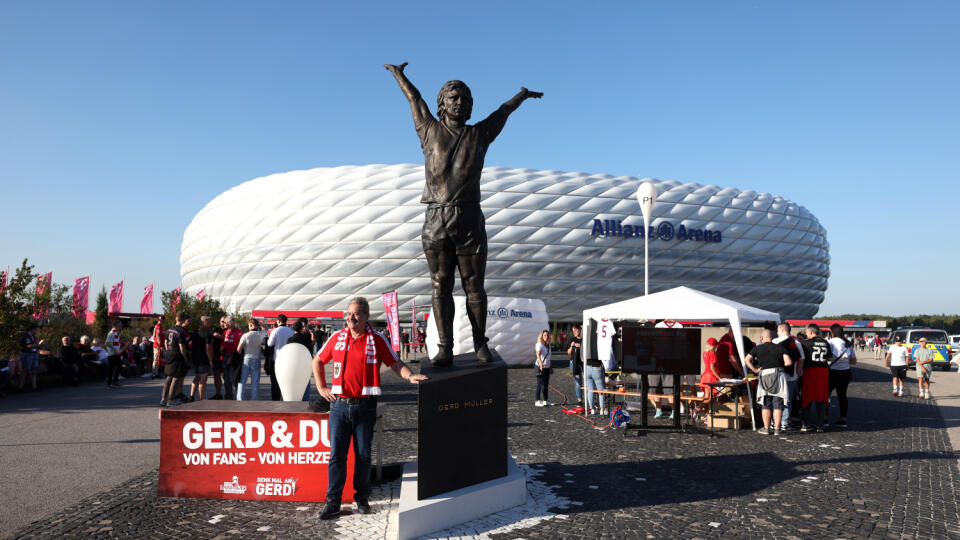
(458, 228)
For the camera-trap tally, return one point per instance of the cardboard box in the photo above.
(729, 422)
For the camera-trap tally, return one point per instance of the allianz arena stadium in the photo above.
(311, 240)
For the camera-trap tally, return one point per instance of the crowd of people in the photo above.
(235, 359)
(795, 374)
(75, 361)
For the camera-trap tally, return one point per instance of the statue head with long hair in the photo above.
(455, 100)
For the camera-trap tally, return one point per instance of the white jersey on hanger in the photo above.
(605, 334)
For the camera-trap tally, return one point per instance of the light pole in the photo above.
(646, 196)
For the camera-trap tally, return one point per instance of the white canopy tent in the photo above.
(684, 304)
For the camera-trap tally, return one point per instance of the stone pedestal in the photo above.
(418, 516)
(462, 425)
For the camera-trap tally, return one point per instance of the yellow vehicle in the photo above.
(937, 340)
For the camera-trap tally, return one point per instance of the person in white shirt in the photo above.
(896, 360)
(280, 335)
(543, 369)
(249, 347)
(840, 373)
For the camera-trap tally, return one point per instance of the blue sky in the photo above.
(120, 120)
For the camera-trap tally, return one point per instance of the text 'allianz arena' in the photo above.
(310, 240)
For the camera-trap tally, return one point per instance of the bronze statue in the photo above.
(454, 235)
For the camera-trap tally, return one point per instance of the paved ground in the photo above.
(892, 474)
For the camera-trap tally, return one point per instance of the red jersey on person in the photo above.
(231, 340)
(353, 365)
(727, 356)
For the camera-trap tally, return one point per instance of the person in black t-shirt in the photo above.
(791, 407)
(201, 355)
(177, 354)
(768, 360)
(815, 390)
(576, 363)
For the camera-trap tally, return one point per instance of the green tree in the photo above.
(196, 308)
(101, 322)
(17, 305)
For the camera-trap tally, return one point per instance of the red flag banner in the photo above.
(43, 284)
(116, 298)
(146, 305)
(413, 320)
(81, 297)
(393, 318)
(201, 295)
(175, 300)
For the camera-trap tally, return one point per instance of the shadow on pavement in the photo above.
(689, 480)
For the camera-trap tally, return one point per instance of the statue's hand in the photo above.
(530, 94)
(395, 69)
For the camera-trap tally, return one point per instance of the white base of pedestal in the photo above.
(416, 518)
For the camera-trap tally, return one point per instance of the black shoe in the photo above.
(217, 396)
(806, 429)
(819, 429)
(483, 354)
(841, 423)
(363, 506)
(330, 511)
(444, 358)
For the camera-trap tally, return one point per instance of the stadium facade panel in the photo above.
(310, 240)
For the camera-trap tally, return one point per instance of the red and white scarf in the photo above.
(371, 371)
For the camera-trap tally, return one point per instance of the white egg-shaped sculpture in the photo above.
(293, 368)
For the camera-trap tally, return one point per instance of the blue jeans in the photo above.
(594, 382)
(346, 422)
(788, 406)
(577, 384)
(250, 368)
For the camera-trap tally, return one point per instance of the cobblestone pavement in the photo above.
(892, 474)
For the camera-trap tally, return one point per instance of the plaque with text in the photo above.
(462, 425)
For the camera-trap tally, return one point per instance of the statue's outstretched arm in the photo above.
(494, 123)
(417, 106)
(514, 102)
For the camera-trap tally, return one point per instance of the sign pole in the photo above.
(646, 196)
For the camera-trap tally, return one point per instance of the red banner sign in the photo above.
(218, 452)
(81, 297)
(116, 298)
(392, 312)
(146, 304)
(43, 307)
(174, 299)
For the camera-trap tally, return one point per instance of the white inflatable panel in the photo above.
(513, 325)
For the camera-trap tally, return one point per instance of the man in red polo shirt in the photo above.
(356, 352)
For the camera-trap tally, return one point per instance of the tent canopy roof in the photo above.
(681, 303)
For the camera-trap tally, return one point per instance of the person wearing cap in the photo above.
(356, 353)
(712, 370)
(896, 360)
